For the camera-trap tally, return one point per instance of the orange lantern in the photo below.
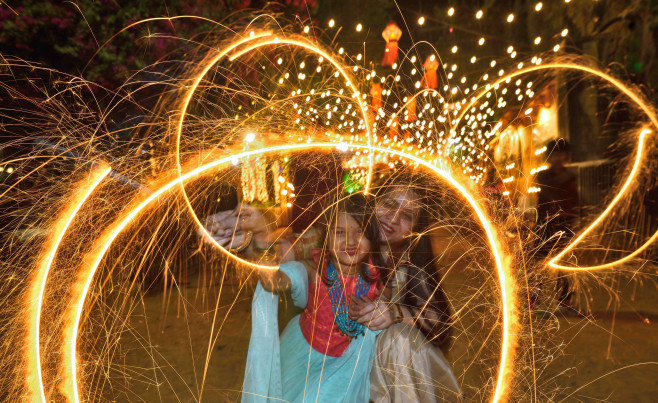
(391, 35)
(411, 110)
(376, 93)
(430, 80)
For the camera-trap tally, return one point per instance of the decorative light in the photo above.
(479, 14)
(538, 40)
(564, 32)
(451, 11)
(332, 23)
(481, 41)
(454, 49)
(421, 20)
(359, 27)
(510, 18)
(538, 6)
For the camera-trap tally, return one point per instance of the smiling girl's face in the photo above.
(397, 212)
(347, 243)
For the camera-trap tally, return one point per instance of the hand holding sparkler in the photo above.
(231, 228)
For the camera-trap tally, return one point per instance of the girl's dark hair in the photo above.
(424, 278)
(361, 208)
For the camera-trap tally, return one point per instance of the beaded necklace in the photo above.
(346, 325)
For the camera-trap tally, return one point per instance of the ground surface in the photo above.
(602, 356)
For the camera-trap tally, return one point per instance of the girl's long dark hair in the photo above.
(424, 278)
(361, 208)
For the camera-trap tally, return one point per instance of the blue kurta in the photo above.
(289, 369)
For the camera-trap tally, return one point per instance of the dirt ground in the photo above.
(608, 354)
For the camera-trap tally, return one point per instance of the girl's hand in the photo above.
(229, 228)
(375, 315)
(249, 218)
(274, 280)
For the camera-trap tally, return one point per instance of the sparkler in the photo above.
(461, 119)
(35, 301)
(86, 274)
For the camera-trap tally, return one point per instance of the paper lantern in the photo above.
(376, 93)
(391, 35)
(411, 110)
(431, 80)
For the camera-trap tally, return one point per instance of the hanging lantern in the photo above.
(430, 80)
(254, 181)
(376, 94)
(411, 110)
(391, 35)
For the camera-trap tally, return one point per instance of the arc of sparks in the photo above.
(34, 376)
(92, 262)
(640, 151)
(636, 167)
(262, 39)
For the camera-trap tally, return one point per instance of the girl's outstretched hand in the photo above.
(375, 315)
(229, 228)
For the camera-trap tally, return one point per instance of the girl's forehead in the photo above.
(343, 218)
(403, 198)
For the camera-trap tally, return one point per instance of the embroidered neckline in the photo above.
(346, 325)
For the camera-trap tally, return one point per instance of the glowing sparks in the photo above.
(35, 299)
(622, 193)
(475, 134)
(87, 273)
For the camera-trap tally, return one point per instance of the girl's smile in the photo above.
(347, 243)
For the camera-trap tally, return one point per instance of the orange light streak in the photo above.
(264, 39)
(630, 94)
(79, 294)
(622, 192)
(313, 48)
(34, 377)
